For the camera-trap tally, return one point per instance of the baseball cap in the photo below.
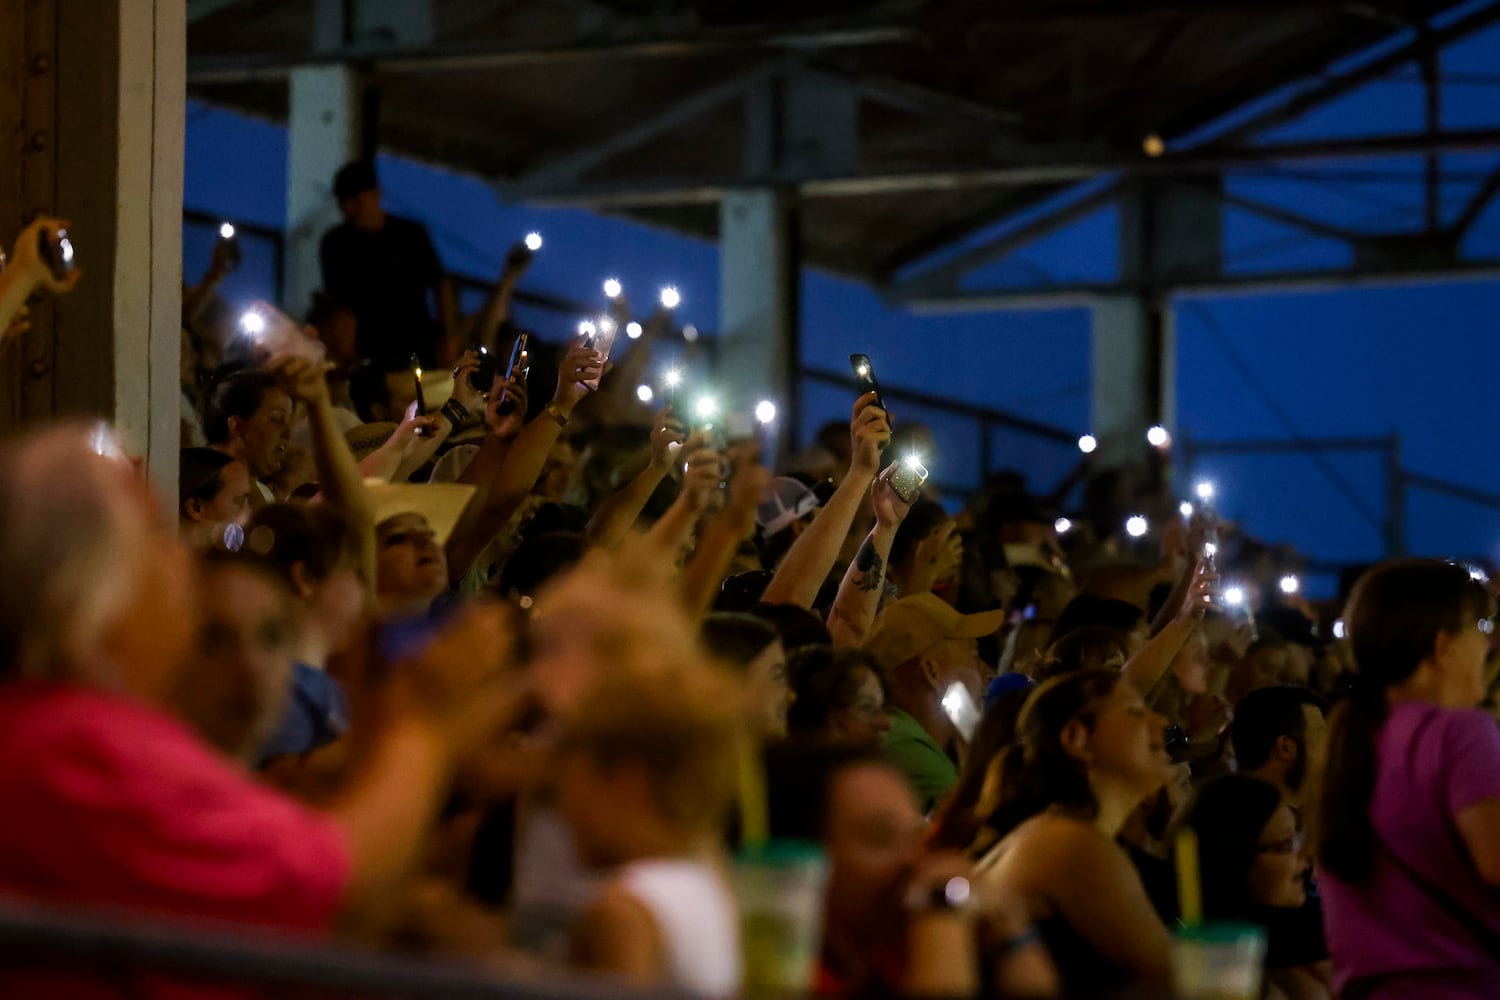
(789, 500)
(911, 626)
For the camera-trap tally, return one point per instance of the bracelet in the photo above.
(456, 413)
(556, 414)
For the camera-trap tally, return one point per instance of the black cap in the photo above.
(354, 179)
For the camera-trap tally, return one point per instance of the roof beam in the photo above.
(1078, 295)
(689, 190)
(1288, 218)
(1331, 88)
(1476, 206)
(489, 55)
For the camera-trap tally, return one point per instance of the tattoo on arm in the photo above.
(870, 566)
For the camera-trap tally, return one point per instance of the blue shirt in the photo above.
(316, 715)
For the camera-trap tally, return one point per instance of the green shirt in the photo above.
(927, 769)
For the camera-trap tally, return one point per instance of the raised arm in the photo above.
(703, 471)
(813, 554)
(497, 306)
(522, 465)
(27, 274)
(196, 299)
(858, 599)
(614, 518)
(339, 477)
(722, 539)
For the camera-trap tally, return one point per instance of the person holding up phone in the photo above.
(926, 648)
(29, 273)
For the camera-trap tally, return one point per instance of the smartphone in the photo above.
(864, 374)
(482, 379)
(229, 240)
(601, 340)
(273, 330)
(520, 256)
(958, 705)
(908, 478)
(518, 368)
(56, 253)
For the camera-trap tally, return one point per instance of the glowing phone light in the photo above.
(1290, 584)
(673, 378)
(633, 330)
(1137, 526)
(644, 393)
(671, 298)
(1234, 596)
(253, 323)
(1088, 444)
(612, 288)
(533, 242)
(1185, 509)
(1062, 526)
(765, 411)
(1205, 490)
(226, 231)
(587, 328)
(706, 408)
(1157, 437)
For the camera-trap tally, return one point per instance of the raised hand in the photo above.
(581, 364)
(890, 509)
(869, 433)
(464, 393)
(667, 438)
(303, 379)
(26, 260)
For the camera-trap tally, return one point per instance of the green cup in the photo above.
(780, 888)
(1219, 962)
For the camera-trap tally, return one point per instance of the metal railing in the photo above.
(119, 946)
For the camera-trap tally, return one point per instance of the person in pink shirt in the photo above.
(111, 801)
(1407, 825)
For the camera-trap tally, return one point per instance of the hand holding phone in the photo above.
(227, 254)
(864, 374)
(601, 339)
(273, 332)
(908, 477)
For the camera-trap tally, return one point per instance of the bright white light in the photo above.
(533, 242)
(673, 378)
(1210, 549)
(690, 333)
(104, 441)
(1062, 526)
(913, 461)
(1157, 437)
(1478, 575)
(706, 407)
(1205, 490)
(1137, 526)
(765, 411)
(607, 324)
(1185, 509)
(1234, 596)
(633, 330)
(253, 323)
(644, 393)
(1339, 631)
(864, 370)
(1290, 584)
(612, 288)
(587, 328)
(226, 231)
(1088, 444)
(671, 298)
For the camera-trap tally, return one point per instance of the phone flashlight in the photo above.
(1185, 509)
(1205, 490)
(908, 477)
(1157, 437)
(633, 330)
(1290, 584)
(104, 442)
(1234, 596)
(644, 393)
(226, 231)
(765, 411)
(612, 288)
(706, 409)
(690, 333)
(587, 328)
(252, 323)
(56, 252)
(958, 705)
(1136, 526)
(1088, 444)
(533, 242)
(671, 298)
(671, 380)
(1339, 630)
(1062, 525)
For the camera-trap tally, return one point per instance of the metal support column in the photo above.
(101, 102)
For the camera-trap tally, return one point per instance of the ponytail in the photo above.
(1343, 839)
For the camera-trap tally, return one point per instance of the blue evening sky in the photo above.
(1363, 363)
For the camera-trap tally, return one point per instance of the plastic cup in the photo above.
(780, 888)
(1219, 962)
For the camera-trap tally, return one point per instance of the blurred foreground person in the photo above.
(124, 806)
(1407, 825)
(898, 921)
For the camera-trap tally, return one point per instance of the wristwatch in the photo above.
(456, 413)
(556, 414)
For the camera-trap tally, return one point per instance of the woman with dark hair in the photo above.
(311, 548)
(956, 823)
(896, 919)
(213, 492)
(1254, 870)
(753, 650)
(1087, 752)
(1407, 825)
(1088, 647)
(839, 696)
(1121, 617)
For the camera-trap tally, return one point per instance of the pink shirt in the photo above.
(1433, 763)
(109, 802)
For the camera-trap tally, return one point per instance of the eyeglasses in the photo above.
(1288, 845)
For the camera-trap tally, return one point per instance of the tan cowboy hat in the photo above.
(441, 504)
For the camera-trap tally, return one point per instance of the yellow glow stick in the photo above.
(1189, 884)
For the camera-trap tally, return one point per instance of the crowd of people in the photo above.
(497, 664)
